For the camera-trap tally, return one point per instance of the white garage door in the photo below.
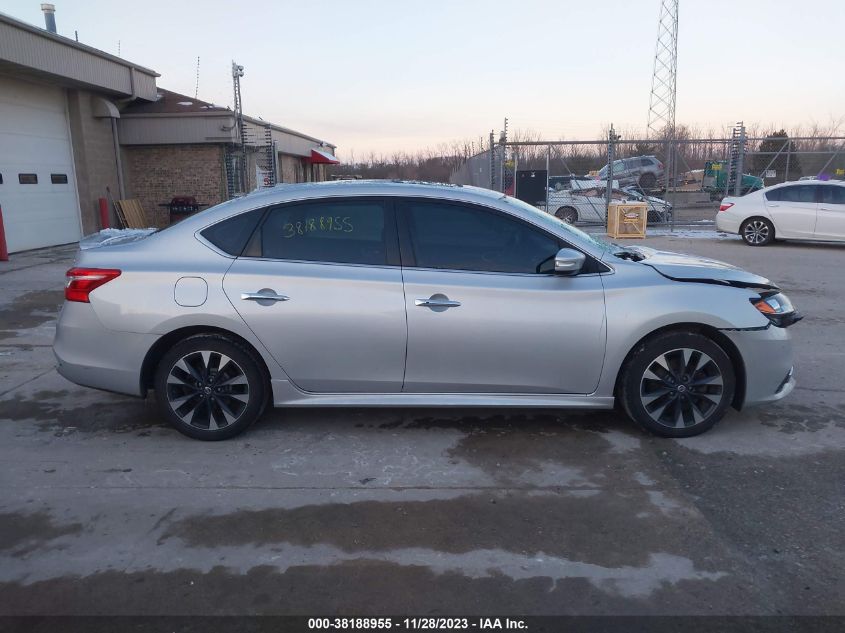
(38, 190)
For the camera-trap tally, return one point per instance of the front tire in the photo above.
(677, 384)
(210, 387)
(757, 232)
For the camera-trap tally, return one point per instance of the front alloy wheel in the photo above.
(677, 384)
(681, 387)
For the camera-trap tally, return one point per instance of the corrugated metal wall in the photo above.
(162, 129)
(46, 54)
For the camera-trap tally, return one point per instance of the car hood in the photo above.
(692, 268)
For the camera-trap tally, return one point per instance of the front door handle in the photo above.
(436, 302)
(265, 294)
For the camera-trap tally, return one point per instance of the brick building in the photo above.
(180, 146)
(77, 123)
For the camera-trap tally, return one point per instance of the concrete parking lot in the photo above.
(103, 510)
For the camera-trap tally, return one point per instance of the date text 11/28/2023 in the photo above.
(417, 624)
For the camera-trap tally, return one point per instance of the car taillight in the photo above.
(81, 281)
(725, 206)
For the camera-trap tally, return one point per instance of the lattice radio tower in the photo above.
(237, 73)
(661, 107)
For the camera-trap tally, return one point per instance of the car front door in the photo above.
(830, 224)
(485, 311)
(793, 210)
(320, 285)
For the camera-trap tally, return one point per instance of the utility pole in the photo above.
(612, 138)
(237, 73)
(503, 140)
(492, 162)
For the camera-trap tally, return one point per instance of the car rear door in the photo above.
(320, 285)
(590, 205)
(830, 224)
(485, 312)
(793, 210)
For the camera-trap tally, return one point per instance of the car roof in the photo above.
(367, 187)
(339, 188)
(839, 183)
(281, 194)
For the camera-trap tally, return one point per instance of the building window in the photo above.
(1, 179)
(58, 179)
(28, 179)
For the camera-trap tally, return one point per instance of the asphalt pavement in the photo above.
(104, 510)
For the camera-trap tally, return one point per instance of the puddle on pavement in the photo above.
(29, 311)
(22, 533)
(579, 527)
(55, 412)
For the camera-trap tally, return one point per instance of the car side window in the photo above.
(332, 231)
(833, 194)
(457, 236)
(793, 193)
(231, 235)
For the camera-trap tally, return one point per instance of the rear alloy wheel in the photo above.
(678, 384)
(567, 214)
(648, 181)
(209, 387)
(757, 231)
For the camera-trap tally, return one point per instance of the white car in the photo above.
(792, 210)
(590, 205)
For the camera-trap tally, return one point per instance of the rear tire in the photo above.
(757, 231)
(648, 181)
(567, 214)
(677, 384)
(210, 387)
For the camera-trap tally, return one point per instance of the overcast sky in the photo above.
(386, 76)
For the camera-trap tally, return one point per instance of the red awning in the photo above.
(322, 157)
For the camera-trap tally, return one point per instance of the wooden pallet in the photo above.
(131, 214)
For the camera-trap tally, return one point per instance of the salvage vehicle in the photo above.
(806, 210)
(715, 179)
(645, 172)
(386, 294)
(589, 204)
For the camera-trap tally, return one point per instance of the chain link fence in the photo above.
(681, 180)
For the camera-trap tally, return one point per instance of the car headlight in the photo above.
(777, 307)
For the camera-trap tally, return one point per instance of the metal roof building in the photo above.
(78, 124)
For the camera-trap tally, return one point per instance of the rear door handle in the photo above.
(436, 303)
(263, 295)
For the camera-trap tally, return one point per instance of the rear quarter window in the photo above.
(232, 235)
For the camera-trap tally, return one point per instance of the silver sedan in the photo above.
(411, 294)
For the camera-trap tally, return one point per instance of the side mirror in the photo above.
(568, 261)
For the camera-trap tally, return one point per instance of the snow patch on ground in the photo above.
(692, 234)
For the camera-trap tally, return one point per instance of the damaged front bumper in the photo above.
(768, 362)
